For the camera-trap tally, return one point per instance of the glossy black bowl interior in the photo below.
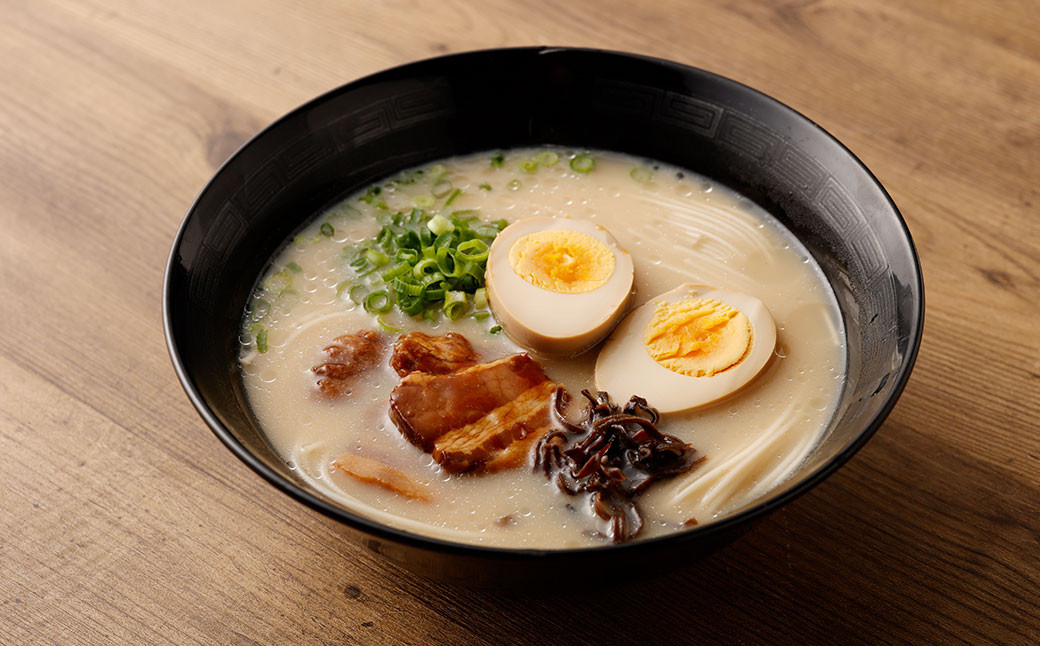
(499, 99)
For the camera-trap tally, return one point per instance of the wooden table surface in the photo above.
(124, 520)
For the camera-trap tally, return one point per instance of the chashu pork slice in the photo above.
(473, 418)
(438, 355)
(346, 356)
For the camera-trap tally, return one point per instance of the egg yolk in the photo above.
(697, 337)
(567, 262)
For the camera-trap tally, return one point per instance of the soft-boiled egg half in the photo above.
(557, 285)
(686, 348)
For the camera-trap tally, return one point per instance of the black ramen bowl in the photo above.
(498, 99)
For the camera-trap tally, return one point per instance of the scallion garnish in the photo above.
(387, 328)
(293, 267)
(376, 258)
(547, 158)
(641, 174)
(260, 332)
(378, 302)
(529, 165)
(497, 160)
(485, 186)
(439, 225)
(447, 264)
(454, 196)
(357, 294)
(424, 268)
(400, 269)
(583, 163)
(424, 201)
(327, 229)
(407, 287)
(279, 282)
(474, 250)
(480, 298)
(420, 261)
(455, 304)
(495, 330)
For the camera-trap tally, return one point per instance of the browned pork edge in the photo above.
(482, 410)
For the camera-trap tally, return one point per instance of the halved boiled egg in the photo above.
(557, 285)
(687, 348)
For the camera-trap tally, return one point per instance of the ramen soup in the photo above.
(589, 271)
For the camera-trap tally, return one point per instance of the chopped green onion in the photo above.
(409, 240)
(341, 287)
(480, 298)
(410, 305)
(424, 201)
(365, 270)
(641, 175)
(293, 267)
(454, 196)
(452, 269)
(407, 287)
(514, 185)
(327, 230)
(387, 328)
(455, 304)
(434, 294)
(357, 294)
(466, 214)
(376, 257)
(279, 281)
(425, 267)
(371, 194)
(385, 236)
(400, 269)
(447, 239)
(441, 188)
(437, 169)
(485, 186)
(529, 165)
(500, 224)
(547, 158)
(430, 314)
(583, 163)
(425, 237)
(497, 160)
(407, 255)
(474, 250)
(481, 316)
(378, 302)
(495, 330)
(440, 224)
(261, 337)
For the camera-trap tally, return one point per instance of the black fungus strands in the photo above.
(613, 455)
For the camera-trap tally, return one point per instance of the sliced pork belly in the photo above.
(437, 355)
(470, 419)
(345, 357)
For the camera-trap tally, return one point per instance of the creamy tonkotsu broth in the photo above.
(678, 228)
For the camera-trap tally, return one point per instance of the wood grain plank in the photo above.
(124, 519)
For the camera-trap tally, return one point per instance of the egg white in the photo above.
(624, 367)
(547, 322)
